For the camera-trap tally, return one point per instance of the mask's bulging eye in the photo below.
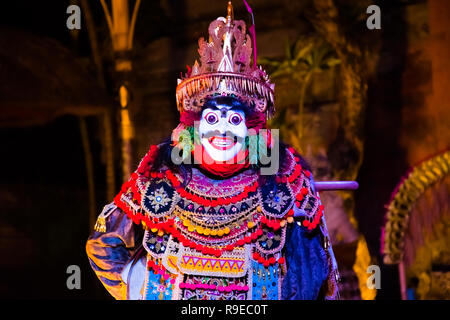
(235, 119)
(211, 118)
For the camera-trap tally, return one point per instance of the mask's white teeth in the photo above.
(222, 143)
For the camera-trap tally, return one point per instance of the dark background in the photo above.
(44, 218)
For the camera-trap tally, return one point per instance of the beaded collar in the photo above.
(211, 188)
(214, 218)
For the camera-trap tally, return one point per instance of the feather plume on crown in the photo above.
(225, 69)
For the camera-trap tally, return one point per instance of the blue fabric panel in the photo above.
(156, 290)
(264, 288)
(307, 266)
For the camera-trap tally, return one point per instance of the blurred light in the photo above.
(123, 95)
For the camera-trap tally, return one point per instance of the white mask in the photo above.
(222, 132)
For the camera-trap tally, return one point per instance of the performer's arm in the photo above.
(109, 252)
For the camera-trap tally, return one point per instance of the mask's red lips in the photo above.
(222, 143)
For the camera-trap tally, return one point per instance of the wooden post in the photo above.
(121, 32)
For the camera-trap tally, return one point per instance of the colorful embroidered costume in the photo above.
(215, 230)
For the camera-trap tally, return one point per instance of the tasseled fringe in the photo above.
(100, 225)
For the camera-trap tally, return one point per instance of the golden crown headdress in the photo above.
(225, 69)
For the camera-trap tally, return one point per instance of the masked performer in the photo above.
(203, 216)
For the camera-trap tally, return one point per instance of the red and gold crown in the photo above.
(225, 69)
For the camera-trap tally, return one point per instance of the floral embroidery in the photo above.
(158, 289)
(269, 239)
(276, 201)
(155, 244)
(158, 198)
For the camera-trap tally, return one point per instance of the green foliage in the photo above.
(304, 58)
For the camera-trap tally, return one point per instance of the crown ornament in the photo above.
(226, 69)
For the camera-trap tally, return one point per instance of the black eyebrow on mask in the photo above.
(216, 108)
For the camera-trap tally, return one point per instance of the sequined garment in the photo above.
(231, 239)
